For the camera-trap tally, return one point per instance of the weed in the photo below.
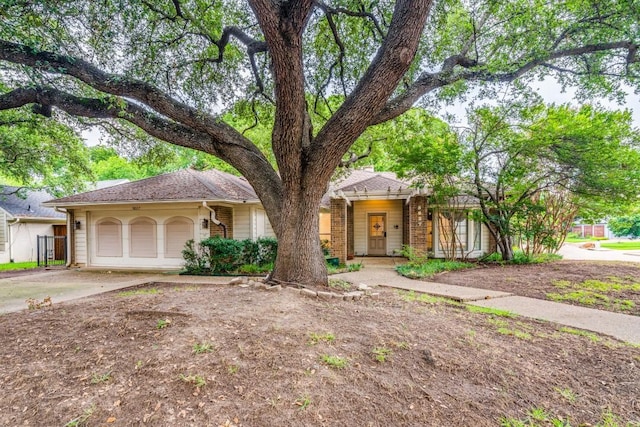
(316, 338)
(411, 296)
(134, 292)
(567, 393)
(339, 284)
(186, 288)
(139, 364)
(34, 304)
(81, 420)
(334, 361)
(593, 337)
(538, 414)
(381, 354)
(356, 266)
(430, 268)
(403, 345)
(202, 348)
(303, 402)
(163, 323)
(489, 310)
(100, 378)
(233, 369)
(196, 380)
(515, 332)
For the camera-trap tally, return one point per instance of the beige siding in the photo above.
(81, 236)
(3, 230)
(393, 211)
(242, 222)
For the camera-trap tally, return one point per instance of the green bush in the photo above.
(223, 255)
(268, 250)
(216, 255)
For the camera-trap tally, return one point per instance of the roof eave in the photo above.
(54, 204)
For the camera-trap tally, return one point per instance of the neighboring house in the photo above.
(22, 219)
(146, 223)
(599, 229)
(376, 214)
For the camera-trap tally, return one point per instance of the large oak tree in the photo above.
(170, 66)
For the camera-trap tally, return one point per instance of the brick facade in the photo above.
(339, 229)
(224, 214)
(418, 223)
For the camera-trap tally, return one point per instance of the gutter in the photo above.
(17, 220)
(215, 220)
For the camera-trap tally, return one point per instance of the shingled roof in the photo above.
(26, 203)
(183, 185)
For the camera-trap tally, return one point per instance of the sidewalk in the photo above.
(621, 326)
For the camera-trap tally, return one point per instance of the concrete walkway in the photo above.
(380, 272)
(66, 285)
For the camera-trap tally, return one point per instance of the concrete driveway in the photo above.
(68, 285)
(573, 251)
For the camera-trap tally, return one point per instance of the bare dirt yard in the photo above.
(612, 286)
(167, 355)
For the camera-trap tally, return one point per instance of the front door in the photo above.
(377, 234)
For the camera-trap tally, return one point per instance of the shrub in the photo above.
(194, 262)
(223, 255)
(268, 250)
(251, 252)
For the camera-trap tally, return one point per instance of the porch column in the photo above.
(339, 229)
(418, 223)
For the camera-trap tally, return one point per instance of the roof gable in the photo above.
(29, 206)
(182, 185)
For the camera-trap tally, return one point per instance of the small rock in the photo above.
(260, 286)
(275, 288)
(244, 285)
(236, 281)
(356, 295)
(292, 289)
(374, 295)
(363, 287)
(325, 295)
(251, 283)
(308, 293)
(428, 357)
(347, 297)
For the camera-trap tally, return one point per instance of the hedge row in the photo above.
(216, 255)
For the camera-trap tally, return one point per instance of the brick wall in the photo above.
(339, 229)
(224, 214)
(418, 223)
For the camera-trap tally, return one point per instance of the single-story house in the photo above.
(145, 223)
(376, 214)
(22, 219)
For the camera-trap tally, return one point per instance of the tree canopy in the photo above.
(170, 68)
(37, 153)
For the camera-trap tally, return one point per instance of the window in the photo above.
(142, 238)
(477, 235)
(177, 231)
(109, 238)
(452, 231)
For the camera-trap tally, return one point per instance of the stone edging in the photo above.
(364, 291)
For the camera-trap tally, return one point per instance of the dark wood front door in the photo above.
(60, 249)
(377, 229)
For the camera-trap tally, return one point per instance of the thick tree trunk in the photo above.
(300, 259)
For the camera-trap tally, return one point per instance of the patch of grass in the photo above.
(336, 362)
(580, 296)
(233, 369)
(82, 419)
(592, 336)
(516, 333)
(489, 310)
(303, 402)
(430, 268)
(197, 380)
(382, 353)
(622, 246)
(9, 266)
(190, 288)
(412, 296)
(134, 292)
(339, 284)
(163, 323)
(205, 347)
(356, 266)
(100, 378)
(315, 338)
(538, 417)
(567, 393)
(596, 292)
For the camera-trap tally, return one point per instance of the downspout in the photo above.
(17, 220)
(216, 221)
(71, 235)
